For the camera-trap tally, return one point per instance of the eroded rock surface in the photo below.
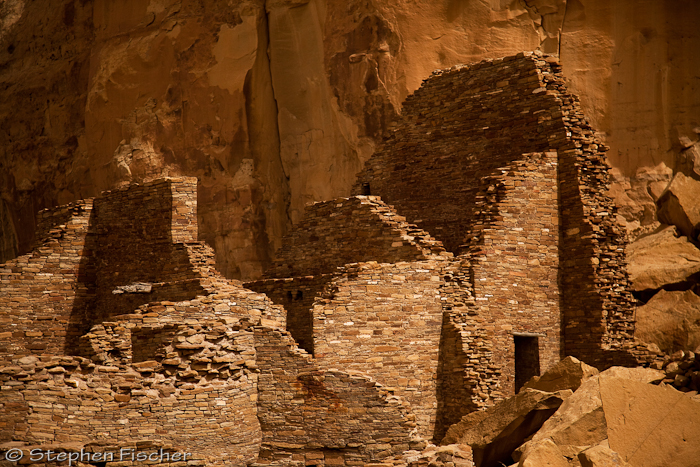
(670, 320)
(660, 259)
(273, 104)
(678, 205)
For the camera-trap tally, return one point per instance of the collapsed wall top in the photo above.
(350, 230)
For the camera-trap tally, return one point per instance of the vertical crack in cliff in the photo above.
(561, 28)
(545, 10)
(268, 54)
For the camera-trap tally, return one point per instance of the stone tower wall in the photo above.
(384, 320)
(463, 125)
(514, 261)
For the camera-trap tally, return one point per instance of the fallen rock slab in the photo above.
(569, 373)
(642, 375)
(579, 422)
(651, 426)
(543, 453)
(670, 320)
(661, 259)
(678, 205)
(601, 456)
(505, 426)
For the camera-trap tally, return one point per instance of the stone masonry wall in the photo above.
(141, 235)
(177, 374)
(332, 234)
(468, 377)
(384, 320)
(194, 383)
(514, 260)
(100, 258)
(460, 126)
(464, 124)
(311, 415)
(350, 230)
(297, 295)
(38, 290)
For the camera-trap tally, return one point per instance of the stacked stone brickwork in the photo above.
(141, 240)
(315, 416)
(195, 363)
(466, 123)
(297, 295)
(332, 234)
(73, 401)
(39, 290)
(169, 369)
(399, 338)
(350, 230)
(514, 260)
(384, 320)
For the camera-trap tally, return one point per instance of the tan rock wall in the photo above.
(99, 94)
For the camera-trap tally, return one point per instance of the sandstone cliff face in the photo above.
(273, 104)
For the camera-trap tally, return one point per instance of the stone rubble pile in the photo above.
(682, 370)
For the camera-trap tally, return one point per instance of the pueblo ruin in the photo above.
(478, 247)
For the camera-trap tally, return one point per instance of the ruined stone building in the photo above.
(478, 248)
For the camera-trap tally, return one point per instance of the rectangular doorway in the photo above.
(527, 358)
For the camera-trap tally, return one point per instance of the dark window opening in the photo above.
(527, 359)
(300, 295)
(365, 189)
(289, 296)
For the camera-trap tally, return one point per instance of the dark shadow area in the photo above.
(297, 296)
(498, 452)
(527, 359)
(581, 304)
(129, 259)
(84, 302)
(454, 395)
(148, 344)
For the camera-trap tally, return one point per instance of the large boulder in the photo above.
(651, 426)
(581, 421)
(543, 454)
(633, 200)
(689, 160)
(679, 206)
(601, 456)
(494, 435)
(636, 197)
(616, 418)
(661, 259)
(670, 320)
(569, 373)
(656, 179)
